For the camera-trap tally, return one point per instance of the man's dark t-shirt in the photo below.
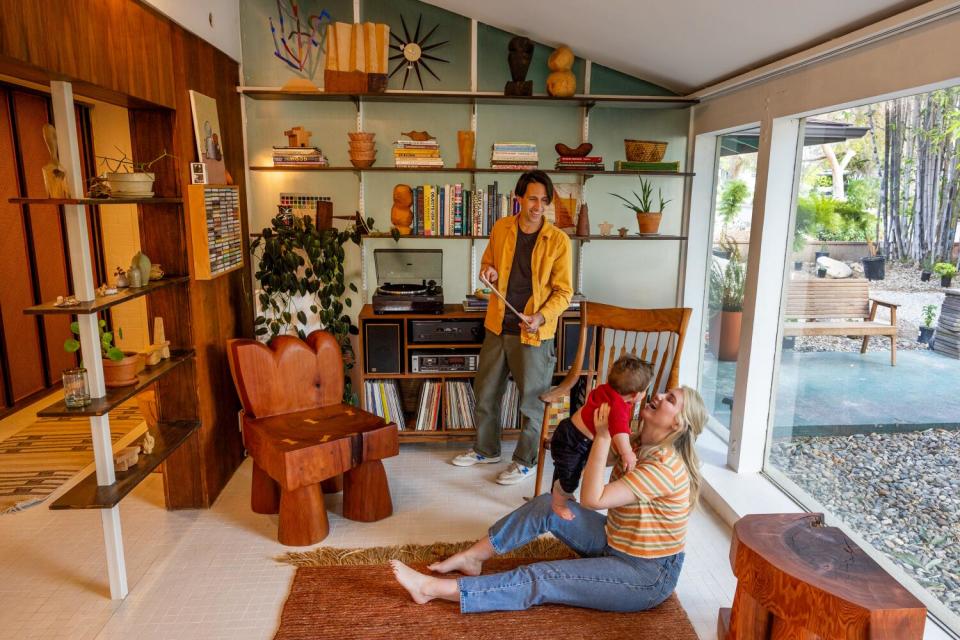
(520, 286)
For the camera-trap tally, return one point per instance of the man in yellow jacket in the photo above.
(528, 261)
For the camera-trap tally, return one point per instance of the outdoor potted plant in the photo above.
(926, 270)
(873, 265)
(946, 271)
(129, 179)
(821, 272)
(647, 219)
(734, 281)
(929, 314)
(119, 367)
(824, 251)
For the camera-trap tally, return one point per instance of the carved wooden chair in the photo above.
(300, 434)
(606, 333)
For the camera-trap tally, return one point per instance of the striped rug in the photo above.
(38, 459)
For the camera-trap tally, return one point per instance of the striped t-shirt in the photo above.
(656, 524)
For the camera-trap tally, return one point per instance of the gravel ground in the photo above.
(899, 491)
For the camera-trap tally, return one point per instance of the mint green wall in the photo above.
(639, 274)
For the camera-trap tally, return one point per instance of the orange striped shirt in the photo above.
(656, 524)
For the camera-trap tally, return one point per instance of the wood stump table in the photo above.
(798, 579)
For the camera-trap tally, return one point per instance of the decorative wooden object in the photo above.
(798, 579)
(300, 434)
(324, 217)
(400, 214)
(54, 175)
(419, 136)
(520, 53)
(126, 458)
(583, 221)
(466, 142)
(561, 82)
(356, 59)
(215, 229)
(298, 137)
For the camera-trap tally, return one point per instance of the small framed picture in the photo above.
(198, 173)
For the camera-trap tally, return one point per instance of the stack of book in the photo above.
(514, 155)
(298, 157)
(460, 405)
(626, 165)
(417, 154)
(452, 210)
(473, 303)
(579, 163)
(383, 399)
(429, 406)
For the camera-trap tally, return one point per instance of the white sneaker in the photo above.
(515, 473)
(471, 458)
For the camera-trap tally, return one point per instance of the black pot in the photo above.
(821, 272)
(945, 281)
(926, 334)
(873, 267)
(798, 265)
(925, 276)
(821, 254)
(788, 342)
(722, 253)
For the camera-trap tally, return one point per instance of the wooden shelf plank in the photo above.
(665, 174)
(88, 495)
(633, 236)
(96, 201)
(468, 97)
(449, 435)
(105, 302)
(119, 395)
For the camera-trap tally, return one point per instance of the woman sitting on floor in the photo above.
(630, 559)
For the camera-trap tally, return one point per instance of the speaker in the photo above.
(381, 347)
(570, 336)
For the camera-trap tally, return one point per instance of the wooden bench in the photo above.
(827, 307)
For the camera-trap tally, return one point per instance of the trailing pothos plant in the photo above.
(296, 260)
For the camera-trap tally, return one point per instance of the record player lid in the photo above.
(408, 266)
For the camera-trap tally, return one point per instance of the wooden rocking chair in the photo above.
(654, 335)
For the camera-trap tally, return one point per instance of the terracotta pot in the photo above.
(649, 222)
(729, 335)
(122, 373)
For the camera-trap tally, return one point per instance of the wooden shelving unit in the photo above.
(105, 302)
(634, 236)
(475, 170)
(97, 201)
(118, 395)
(87, 494)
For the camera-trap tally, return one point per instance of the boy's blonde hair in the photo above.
(629, 374)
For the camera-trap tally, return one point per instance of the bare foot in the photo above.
(464, 562)
(412, 581)
(558, 503)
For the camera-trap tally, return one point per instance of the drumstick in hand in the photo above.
(500, 295)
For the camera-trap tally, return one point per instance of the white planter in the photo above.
(131, 185)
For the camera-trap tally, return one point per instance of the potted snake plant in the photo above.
(647, 219)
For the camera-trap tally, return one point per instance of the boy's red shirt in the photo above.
(619, 418)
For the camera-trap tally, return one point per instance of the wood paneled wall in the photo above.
(123, 52)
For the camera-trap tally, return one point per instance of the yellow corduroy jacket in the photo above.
(550, 274)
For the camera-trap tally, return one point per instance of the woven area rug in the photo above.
(38, 459)
(350, 593)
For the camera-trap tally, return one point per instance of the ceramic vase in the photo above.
(141, 263)
(466, 141)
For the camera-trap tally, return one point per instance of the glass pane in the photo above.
(866, 415)
(736, 173)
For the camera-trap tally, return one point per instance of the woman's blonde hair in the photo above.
(693, 418)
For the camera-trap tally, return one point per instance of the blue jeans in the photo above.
(603, 578)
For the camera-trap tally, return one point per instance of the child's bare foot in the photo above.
(464, 562)
(412, 581)
(559, 505)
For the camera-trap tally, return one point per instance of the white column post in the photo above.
(82, 271)
(777, 167)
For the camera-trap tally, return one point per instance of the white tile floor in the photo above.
(211, 574)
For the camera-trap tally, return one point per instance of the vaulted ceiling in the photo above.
(681, 44)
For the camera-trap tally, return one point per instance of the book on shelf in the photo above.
(584, 163)
(625, 165)
(473, 303)
(429, 408)
(452, 210)
(383, 399)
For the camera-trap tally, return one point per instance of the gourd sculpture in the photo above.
(561, 82)
(400, 214)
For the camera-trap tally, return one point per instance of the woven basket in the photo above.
(644, 150)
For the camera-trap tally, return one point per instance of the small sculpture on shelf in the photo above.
(121, 276)
(298, 137)
(605, 228)
(126, 458)
(400, 214)
(623, 232)
(466, 142)
(159, 349)
(148, 443)
(583, 221)
(156, 271)
(419, 136)
(561, 82)
(141, 263)
(520, 53)
(54, 175)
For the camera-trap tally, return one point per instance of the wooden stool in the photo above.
(800, 580)
(304, 440)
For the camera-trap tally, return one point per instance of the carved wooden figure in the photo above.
(800, 580)
(298, 137)
(54, 175)
(400, 214)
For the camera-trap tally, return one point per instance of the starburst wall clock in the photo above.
(413, 52)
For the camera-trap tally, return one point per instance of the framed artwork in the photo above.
(206, 129)
(566, 201)
(198, 173)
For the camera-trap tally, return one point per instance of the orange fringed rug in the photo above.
(358, 600)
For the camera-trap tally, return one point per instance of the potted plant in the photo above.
(647, 219)
(821, 272)
(824, 251)
(126, 178)
(798, 265)
(731, 305)
(873, 265)
(946, 271)
(926, 269)
(119, 367)
(929, 314)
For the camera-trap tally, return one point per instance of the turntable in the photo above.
(408, 281)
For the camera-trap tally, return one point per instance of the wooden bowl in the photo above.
(362, 164)
(360, 135)
(644, 150)
(363, 155)
(362, 145)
